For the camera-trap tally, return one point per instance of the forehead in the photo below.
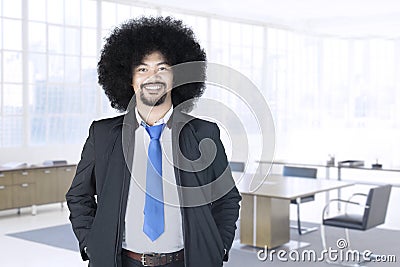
(154, 57)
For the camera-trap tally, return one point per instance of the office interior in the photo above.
(319, 85)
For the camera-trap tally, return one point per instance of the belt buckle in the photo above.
(143, 261)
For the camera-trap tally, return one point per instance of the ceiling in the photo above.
(345, 18)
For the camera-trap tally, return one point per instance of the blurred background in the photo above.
(329, 71)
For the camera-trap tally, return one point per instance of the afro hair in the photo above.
(129, 43)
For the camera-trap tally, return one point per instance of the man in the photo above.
(145, 191)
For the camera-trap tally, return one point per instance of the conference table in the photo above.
(264, 213)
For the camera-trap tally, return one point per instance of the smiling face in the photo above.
(152, 80)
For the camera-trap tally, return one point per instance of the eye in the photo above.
(163, 68)
(141, 69)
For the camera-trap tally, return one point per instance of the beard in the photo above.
(152, 101)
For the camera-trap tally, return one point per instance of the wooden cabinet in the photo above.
(34, 186)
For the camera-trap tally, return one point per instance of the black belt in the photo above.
(155, 259)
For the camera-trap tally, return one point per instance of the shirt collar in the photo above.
(160, 121)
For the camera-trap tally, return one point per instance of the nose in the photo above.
(153, 75)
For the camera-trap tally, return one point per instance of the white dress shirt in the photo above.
(135, 239)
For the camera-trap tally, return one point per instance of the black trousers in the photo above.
(129, 262)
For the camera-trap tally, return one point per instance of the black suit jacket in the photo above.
(97, 198)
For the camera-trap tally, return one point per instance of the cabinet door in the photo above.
(65, 177)
(5, 178)
(23, 195)
(23, 189)
(5, 197)
(5, 190)
(21, 177)
(46, 185)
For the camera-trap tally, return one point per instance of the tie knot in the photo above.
(155, 131)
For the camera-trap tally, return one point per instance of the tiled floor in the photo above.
(16, 252)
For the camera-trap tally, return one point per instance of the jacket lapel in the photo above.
(190, 166)
(184, 147)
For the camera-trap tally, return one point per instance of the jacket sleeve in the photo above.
(81, 195)
(225, 210)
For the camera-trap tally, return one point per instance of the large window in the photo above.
(334, 96)
(61, 53)
(48, 54)
(11, 98)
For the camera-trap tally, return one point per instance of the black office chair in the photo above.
(305, 173)
(373, 213)
(237, 166)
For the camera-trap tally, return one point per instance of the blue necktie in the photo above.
(153, 225)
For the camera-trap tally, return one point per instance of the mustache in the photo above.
(151, 83)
